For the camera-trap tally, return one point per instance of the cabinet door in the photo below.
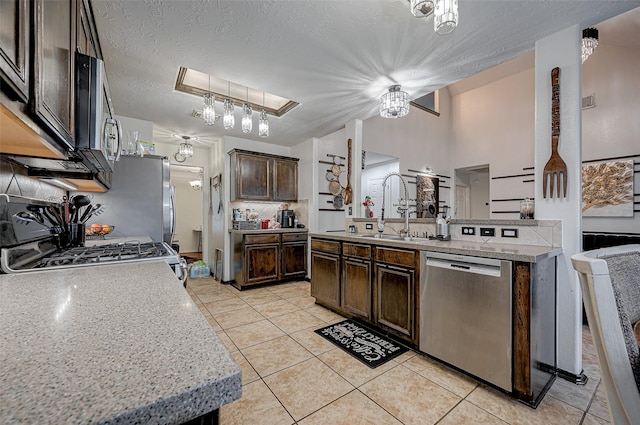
(395, 306)
(252, 177)
(356, 287)
(261, 263)
(325, 278)
(285, 180)
(294, 259)
(14, 46)
(54, 62)
(86, 34)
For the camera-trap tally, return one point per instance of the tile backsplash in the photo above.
(268, 210)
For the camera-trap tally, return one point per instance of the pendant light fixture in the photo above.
(185, 148)
(445, 16)
(394, 103)
(208, 112)
(247, 116)
(589, 42)
(421, 8)
(228, 119)
(263, 124)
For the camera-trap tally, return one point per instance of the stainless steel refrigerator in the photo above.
(140, 201)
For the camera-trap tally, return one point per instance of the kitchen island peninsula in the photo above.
(388, 282)
(109, 344)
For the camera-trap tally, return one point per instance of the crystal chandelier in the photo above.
(445, 13)
(247, 115)
(228, 120)
(208, 112)
(185, 148)
(394, 103)
(589, 42)
(445, 16)
(263, 123)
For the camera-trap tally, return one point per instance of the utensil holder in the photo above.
(73, 235)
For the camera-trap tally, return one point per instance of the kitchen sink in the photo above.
(387, 237)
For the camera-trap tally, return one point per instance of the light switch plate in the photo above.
(487, 231)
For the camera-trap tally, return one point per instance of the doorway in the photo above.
(187, 184)
(472, 192)
(376, 168)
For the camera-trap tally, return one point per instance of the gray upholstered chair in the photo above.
(610, 283)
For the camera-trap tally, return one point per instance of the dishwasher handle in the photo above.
(465, 267)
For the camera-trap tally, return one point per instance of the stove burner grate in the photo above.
(104, 254)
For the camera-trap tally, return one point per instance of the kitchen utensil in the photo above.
(55, 211)
(346, 192)
(335, 169)
(555, 167)
(334, 187)
(330, 176)
(338, 202)
(65, 208)
(78, 201)
(89, 212)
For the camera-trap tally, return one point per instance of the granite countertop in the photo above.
(513, 252)
(108, 344)
(258, 231)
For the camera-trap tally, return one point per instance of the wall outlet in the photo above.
(368, 226)
(487, 231)
(509, 233)
(468, 230)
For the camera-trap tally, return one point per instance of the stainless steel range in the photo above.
(30, 244)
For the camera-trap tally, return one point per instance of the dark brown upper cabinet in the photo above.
(262, 177)
(14, 46)
(54, 67)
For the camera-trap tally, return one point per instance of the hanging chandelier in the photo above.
(445, 13)
(589, 42)
(228, 120)
(263, 123)
(185, 148)
(208, 112)
(247, 116)
(394, 103)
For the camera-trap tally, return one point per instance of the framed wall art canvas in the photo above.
(607, 189)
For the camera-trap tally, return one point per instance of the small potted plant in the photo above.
(368, 203)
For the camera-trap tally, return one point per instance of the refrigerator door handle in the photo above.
(173, 211)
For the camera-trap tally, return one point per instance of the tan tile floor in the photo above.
(290, 375)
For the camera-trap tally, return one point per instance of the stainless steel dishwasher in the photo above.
(465, 314)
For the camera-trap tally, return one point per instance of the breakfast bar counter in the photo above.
(108, 344)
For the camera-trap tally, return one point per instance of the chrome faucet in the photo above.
(405, 231)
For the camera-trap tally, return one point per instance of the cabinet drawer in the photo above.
(294, 237)
(396, 256)
(325, 246)
(255, 239)
(356, 250)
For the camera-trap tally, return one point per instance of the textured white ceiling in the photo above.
(335, 57)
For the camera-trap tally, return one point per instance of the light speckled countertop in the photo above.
(111, 344)
(525, 253)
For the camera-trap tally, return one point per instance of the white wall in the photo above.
(335, 144)
(188, 218)
(612, 128)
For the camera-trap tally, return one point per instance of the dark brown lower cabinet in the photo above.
(260, 258)
(261, 263)
(394, 300)
(356, 280)
(325, 278)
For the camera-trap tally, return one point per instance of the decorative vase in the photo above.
(368, 213)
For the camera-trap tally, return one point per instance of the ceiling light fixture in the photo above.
(247, 115)
(263, 123)
(589, 42)
(394, 103)
(186, 148)
(209, 112)
(228, 119)
(445, 13)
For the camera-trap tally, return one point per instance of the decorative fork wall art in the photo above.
(555, 167)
